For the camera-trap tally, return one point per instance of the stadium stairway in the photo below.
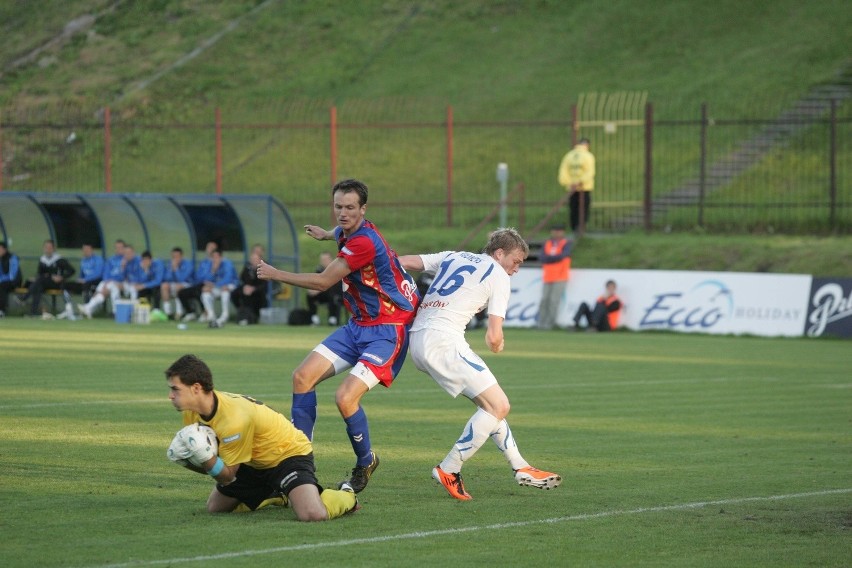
(814, 105)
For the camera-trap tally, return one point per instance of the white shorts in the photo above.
(175, 287)
(109, 286)
(450, 361)
(217, 291)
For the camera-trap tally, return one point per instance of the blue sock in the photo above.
(304, 412)
(359, 436)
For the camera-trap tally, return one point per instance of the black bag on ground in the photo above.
(299, 316)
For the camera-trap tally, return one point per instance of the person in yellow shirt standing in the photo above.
(262, 458)
(577, 175)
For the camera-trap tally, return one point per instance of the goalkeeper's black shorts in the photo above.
(253, 486)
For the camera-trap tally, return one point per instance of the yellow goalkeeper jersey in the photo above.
(250, 432)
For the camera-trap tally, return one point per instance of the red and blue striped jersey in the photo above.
(378, 290)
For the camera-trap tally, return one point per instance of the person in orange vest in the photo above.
(605, 315)
(556, 265)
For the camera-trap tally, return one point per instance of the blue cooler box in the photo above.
(124, 311)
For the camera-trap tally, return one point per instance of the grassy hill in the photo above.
(163, 60)
(488, 59)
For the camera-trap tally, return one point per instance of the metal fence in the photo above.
(659, 167)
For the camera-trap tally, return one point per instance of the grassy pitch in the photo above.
(675, 450)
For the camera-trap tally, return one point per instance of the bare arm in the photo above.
(411, 262)
(319, 233)
(332, 274)
(195, 468)
(494, 334)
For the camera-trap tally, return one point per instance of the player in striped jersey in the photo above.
(382, 299)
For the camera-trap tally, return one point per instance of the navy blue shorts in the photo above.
(381, 348)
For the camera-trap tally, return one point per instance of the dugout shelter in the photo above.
(153, 222)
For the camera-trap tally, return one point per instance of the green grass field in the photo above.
(676, 450)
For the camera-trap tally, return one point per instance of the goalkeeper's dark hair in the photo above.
(352, 185)
(189, 369)
(508, 239)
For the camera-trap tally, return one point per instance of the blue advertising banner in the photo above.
(830, 308)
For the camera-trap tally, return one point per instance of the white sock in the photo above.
(114, 294)
(93, 304)
(502, 436)
(167, 307)
(475, 432)
(207, 302)
(226, 301)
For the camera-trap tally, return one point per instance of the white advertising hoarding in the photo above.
(705, 302)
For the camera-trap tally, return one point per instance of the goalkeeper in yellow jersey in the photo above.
(262, 458)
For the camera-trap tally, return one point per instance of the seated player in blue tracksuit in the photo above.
(144, 279)
(222, 280)
(112, 279)
(179, 274)
(191, 295)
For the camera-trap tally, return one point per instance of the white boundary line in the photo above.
(499, 526)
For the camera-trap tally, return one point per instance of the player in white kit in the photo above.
(465, 283)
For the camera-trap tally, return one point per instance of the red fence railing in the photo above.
(786, 173)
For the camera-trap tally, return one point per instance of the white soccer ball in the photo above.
(193, 444)
(202, 443)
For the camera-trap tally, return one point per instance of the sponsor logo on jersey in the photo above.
(409, 290)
